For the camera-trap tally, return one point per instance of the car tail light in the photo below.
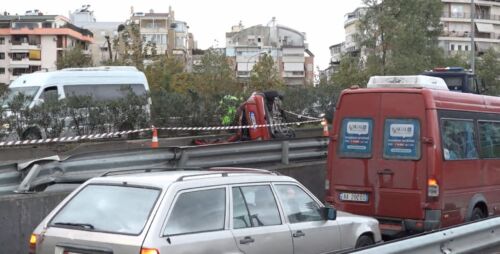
(149, 251)
(32, 247)
(432, 188)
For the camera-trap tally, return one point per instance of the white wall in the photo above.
(49, 52)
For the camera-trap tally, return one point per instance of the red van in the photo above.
(413, 155)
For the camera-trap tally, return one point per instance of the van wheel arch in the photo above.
(477, 203)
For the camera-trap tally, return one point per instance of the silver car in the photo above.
(224, 210)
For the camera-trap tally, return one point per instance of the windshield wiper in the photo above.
(81, 225)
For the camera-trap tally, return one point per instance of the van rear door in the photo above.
(377, 167)
(401, 174)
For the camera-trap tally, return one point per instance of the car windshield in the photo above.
(28, 91)
(108, 208)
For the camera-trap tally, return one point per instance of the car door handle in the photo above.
(247, 240)
(299, 233)
(385, 172)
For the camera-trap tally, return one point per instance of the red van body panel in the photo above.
(395, 189)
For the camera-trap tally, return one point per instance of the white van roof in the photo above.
(83, 76)
(417, 81)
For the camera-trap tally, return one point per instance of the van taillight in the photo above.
(33, 240)
(432, 188)
(149, 251)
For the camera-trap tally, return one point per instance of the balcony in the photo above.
(23, 63)
(23, 47)
(467, 15)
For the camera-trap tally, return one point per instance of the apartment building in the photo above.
(457, 26)
(170, 36)
(101, 50)
(348, 46)
(34, 42)
(287, 46)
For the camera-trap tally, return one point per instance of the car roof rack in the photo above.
(146, 170)
(225, 171)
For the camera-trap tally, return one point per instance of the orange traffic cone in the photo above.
(154, 142)
(326, 133)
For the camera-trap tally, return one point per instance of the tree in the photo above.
(161, 73)
(401, 36)
(350, 73)
(265, 75)
(214, 75)
(74, 58)
(129, 46)
(488, 70)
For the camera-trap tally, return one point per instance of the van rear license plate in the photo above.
(356, 197)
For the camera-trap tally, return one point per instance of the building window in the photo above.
(452, 47)
(2, 56)
(2, 40)
(459, 47)
(2, 70)
(466, 47)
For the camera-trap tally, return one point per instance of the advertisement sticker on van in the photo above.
(401, 139)
(356, 137)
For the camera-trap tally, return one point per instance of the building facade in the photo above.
(287, 46)
(101, 50)
(349, 46)
(170, 36)
(457, 26)
(34, 42)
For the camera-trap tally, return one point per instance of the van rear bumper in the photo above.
(395, 227)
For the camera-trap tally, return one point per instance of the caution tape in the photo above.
(121, 133)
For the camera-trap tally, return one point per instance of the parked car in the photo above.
(220, 210)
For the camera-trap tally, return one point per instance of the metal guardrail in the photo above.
(475, 237)
(36, 174)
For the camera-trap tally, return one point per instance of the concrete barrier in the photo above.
(20, 214)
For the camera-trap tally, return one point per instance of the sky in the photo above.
(321, 20)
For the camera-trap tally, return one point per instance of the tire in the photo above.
(363, 241)
(31, 133)
(477, 214)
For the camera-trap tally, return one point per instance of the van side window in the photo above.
(50, 93)
(459, 139)
(197, 211)
(356, 138)
(489, 139)
(402, 139)
(104, 92)
(254, 206)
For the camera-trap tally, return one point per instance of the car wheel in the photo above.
(477, 214)
(32, 133)
(363, 241)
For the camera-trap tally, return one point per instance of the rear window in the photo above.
(356, 137)
(107, 208)
(402, 139)
(104, 92)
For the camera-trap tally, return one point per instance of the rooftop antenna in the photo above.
(273, 22)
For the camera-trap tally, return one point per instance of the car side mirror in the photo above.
(329, 213)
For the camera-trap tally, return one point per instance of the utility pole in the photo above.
(472, 35)
(109, 48)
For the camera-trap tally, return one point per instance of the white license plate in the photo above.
(356, 197)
